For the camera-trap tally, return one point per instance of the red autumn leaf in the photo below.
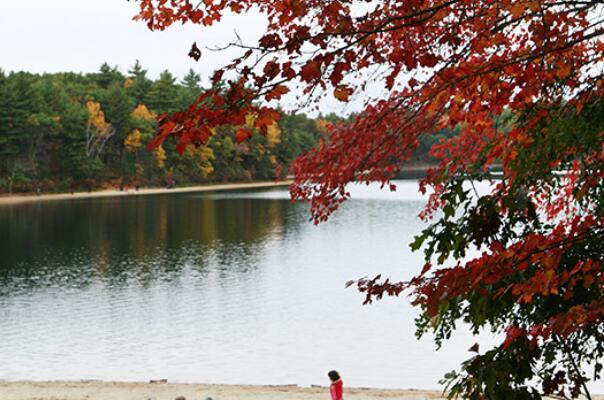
(270, 41)
(271, 69)
(266, 117)
(504, 87)
(242, 134)
(276, 92)
(235, 7)
(563, 70)
(311, 71)
(398, 55)
(342, 92)
(287, 71)
(512, 334)
(338, 72)
(517, 9)
(181, 147)
(428, 60)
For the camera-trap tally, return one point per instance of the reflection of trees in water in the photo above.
(76, 243)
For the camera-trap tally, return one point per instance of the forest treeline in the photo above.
(71, 131)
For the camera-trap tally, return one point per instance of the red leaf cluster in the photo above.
(455, 64)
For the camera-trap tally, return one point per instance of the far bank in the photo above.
(30, 198)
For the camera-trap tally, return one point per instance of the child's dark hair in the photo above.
(333, 375)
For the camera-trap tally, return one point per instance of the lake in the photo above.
(222, 287)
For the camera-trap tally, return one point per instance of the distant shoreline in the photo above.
(100, 390)
(6, 200)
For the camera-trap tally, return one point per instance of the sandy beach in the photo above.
(18, 199)
(97, 390)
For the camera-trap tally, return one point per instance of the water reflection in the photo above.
(142, 237)
(233, 287)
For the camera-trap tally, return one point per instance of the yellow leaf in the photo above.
(250, 118)
(133, 141)
(160, 157)
(96, 118)
(321, 125)
(141, 111)
(273, 135)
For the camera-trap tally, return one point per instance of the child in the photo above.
(336, 389)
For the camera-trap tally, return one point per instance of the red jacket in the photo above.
(337, 390)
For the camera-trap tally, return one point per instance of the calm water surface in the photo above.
(226, 287)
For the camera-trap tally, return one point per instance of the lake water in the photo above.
(223, 287)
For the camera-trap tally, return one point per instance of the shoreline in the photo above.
(102, 390)
(109, 390)
(14, 199)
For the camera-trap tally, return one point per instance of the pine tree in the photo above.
(162, 97)
(107, 75)
(5, 122)
(191, 88)
(16, 129)
(140, 83)
(18, 105)
(117, 106)
(137, 71)
(192, 80)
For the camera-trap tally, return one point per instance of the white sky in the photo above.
(79, 35)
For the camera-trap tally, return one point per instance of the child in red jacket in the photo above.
(336, 389)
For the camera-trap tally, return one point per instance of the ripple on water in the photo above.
(225, 288)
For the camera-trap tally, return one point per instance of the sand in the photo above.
(18, 199)
(97, 390)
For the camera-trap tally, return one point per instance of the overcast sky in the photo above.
(79, 35)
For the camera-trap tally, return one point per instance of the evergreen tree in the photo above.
(191, 81)
(117, 106)
(191, 88)
(19, 105)
(18, 98)
(298, 134)
(137, 71)
(107, 75)
(5, 123)
(163, 96)
(140, 83)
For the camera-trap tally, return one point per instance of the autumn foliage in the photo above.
(457, 64)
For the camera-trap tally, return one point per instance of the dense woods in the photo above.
(69, 131)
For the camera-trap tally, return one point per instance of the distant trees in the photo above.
(163, 95)
(69, 131)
